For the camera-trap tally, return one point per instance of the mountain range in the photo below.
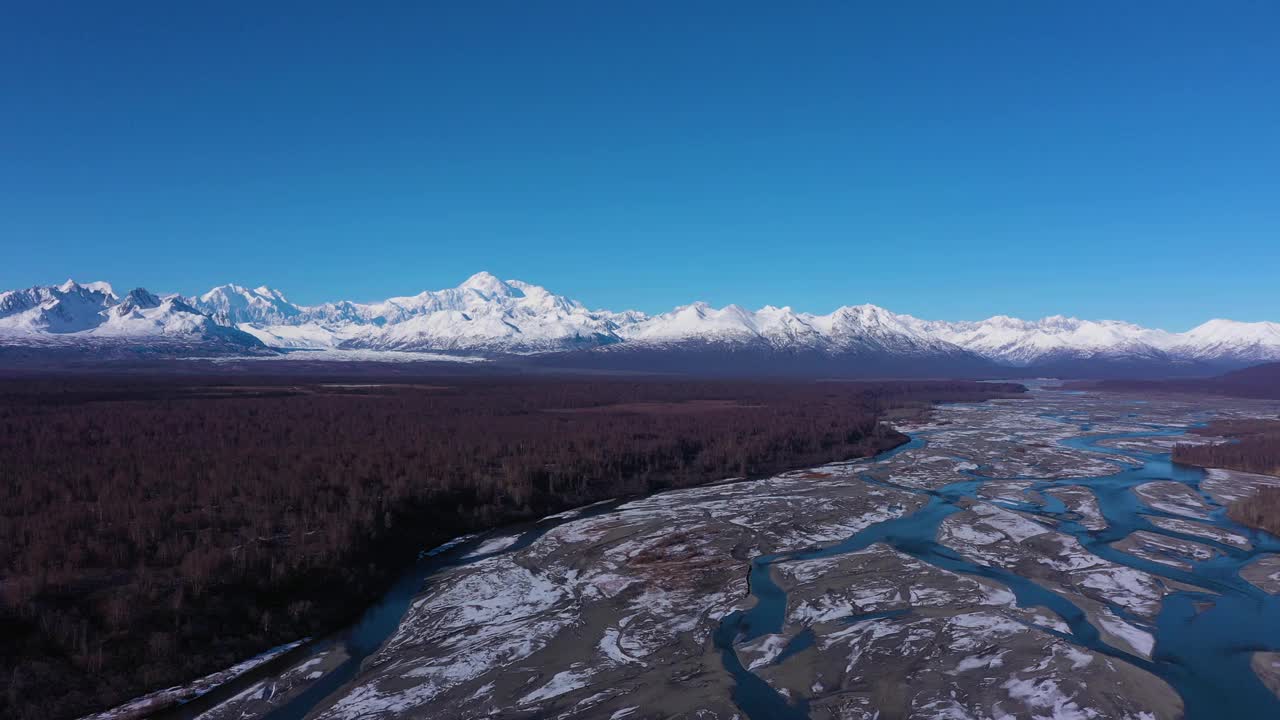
(520, 322)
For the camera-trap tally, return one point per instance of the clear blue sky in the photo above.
(948, 159)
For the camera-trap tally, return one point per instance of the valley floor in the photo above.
(157, 530)
(1018, 558)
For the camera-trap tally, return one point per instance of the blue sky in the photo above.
(950, 160)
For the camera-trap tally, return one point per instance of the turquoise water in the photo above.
(1204, 655)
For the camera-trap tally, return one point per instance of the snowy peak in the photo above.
(1219, 330)
(1018, 342)
(1251, 341)
(137, 299)
(483, 313)
(868, 318)
(66, 308)
(488, 285)
(100, 288)
(92, 313)
(266, 292)
(858, 329)
(233, 304)
(698, 321)
(144, 314)
(870, 328)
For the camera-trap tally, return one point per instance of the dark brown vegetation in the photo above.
(1255, 448)
(1261, 511)
(1260, 381)
(154, 531)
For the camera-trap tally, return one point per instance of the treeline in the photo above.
(1261, 511)
(151, 532)
(1255, 448)
(1259, 381)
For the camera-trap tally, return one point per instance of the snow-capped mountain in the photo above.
(66, 308)
(868, 327)
(484, 314)
(862, 340)
(232, 305)
(850, 329)
(1246, 342)
(1021, 343)
(492, 317)
(92, 315)
(776, 327)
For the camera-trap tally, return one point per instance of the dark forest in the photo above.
(1259, 381)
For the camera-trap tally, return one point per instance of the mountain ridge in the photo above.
(489, 316)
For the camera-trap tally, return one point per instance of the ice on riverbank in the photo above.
(153, 702)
